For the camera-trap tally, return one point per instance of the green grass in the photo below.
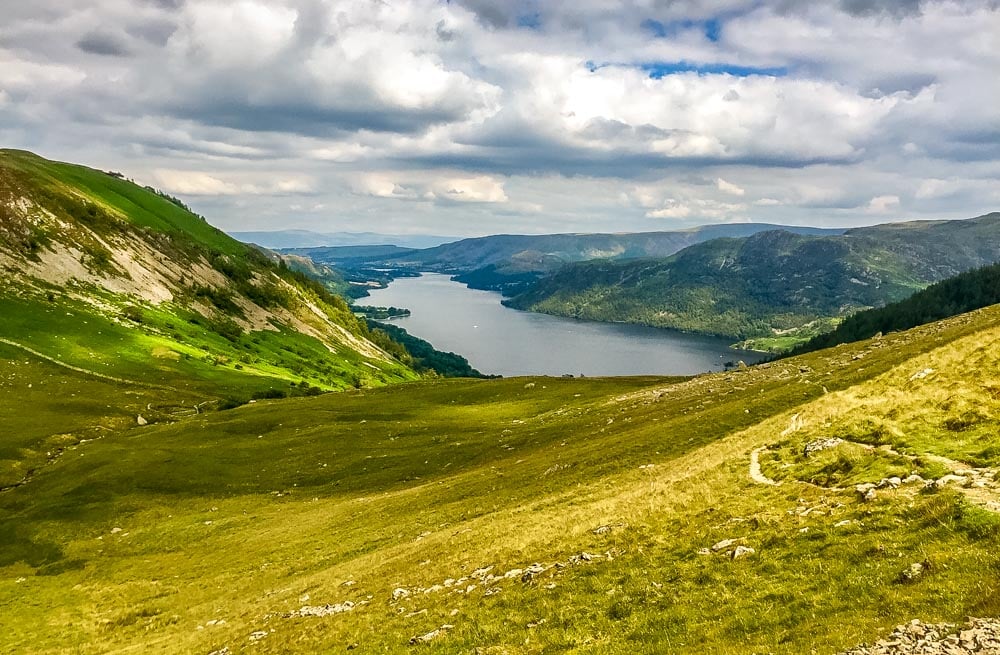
(139, 538)
(124, 198)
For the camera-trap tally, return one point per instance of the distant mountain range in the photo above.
(308, 239)
(510, 262)
(770, 283)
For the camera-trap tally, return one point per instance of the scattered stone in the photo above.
(914, 572)
(481, 573)
(492, 591)
(257, 635)
(920, 375)
(532, 571)
(945, 480)
(399, 593)
(582, 557)
(742, 551)
(140, 420)
(222, 651)
(604, 529)
(423, 639)
(322, 610)
(916, 637)
(913, 479)
(724, 544)
(819, 445)
(704, 551)
(866, 491)
(513, 573)
(115, 530)
(843, 523)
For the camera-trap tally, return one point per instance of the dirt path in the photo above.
(77, 369)
(981, 485)
(755, 473)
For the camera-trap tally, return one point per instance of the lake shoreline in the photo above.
(501, 340)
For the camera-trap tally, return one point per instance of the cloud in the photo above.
(470, 189)
(729, 187)
(479, 113)
(198, 183)
(478, 189)
(883, 204)
(103, 43)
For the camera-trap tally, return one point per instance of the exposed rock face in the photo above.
(918, 638)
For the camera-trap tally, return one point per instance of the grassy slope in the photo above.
(142, 208)
(774, 281)
(289, 357)
(241, 515)
(190, 357)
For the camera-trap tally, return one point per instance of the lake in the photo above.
(500, 340)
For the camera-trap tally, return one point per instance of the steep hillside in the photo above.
(770, 283)
(107, 276)
(965, 292)
(715, 514)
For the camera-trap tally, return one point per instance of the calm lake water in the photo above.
(500, 340)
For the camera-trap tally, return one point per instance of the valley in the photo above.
(175, 473)
(568, 514)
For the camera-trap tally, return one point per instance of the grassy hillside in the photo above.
(773, 284)
(521, 515)
(124, 283)
(956, 295)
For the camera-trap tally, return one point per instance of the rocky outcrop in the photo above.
(918, 638)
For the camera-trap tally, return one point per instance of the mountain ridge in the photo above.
(771, 281)
(146, 268)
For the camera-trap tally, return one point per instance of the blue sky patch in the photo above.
(659, 69)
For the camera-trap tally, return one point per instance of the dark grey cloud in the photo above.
(171, 5)
(897, 8)
(491, 14)
(156, 31)
(297, 116)
(103, 43)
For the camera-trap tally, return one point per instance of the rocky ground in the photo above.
(918, 638)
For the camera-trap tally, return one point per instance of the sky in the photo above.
(475, 117)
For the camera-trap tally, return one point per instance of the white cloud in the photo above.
(198, 183)
(729, 187)
(882, 205)
(852, 116)
(482, 188)
(427, 187)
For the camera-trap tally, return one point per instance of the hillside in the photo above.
(110, 277)
(965, 292)
(772, 283)
(633, 515)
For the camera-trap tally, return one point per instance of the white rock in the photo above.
(724, 544)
